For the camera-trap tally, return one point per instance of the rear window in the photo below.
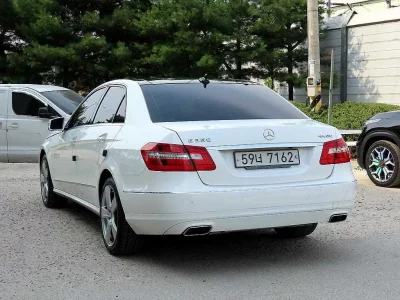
(218, 101)
(66, 100)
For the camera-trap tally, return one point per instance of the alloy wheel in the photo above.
(382, 164)
(108, 214)
(44, 181)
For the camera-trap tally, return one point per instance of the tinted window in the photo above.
(218, 101)
(24, 104)
(120, 116)
(83, 114)
(66, 100)
(53, 112)
(109, 106)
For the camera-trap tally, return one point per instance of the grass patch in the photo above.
(348, 115)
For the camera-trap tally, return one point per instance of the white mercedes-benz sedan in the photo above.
(194, 157)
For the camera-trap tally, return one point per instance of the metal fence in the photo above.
(350, 132)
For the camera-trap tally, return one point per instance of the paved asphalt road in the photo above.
(58, 254)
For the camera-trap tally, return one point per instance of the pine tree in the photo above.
(9, 41)
(78, 42)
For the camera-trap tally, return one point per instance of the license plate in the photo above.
(267, 158)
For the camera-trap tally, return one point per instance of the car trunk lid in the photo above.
(226, 141)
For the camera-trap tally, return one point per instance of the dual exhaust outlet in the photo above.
(197, 230)
(337, 218)
(205, 229)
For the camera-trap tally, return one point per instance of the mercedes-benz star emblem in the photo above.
(269, 134)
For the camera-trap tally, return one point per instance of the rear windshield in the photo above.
(218, 101)
(66, 100)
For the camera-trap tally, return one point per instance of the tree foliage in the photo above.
(92, 41)
(9, 41)
(80, 42)
(282, 27)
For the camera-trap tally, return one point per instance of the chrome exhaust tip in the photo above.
(197, 230)
(337, 218)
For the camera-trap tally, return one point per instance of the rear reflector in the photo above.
(171, 157)
(335, 152)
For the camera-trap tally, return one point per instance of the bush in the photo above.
(348, 115)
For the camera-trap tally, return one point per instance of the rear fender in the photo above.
(111, 166)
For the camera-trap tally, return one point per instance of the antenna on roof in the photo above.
(204, 80)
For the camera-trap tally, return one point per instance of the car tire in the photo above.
(383, 157)
(296, 231)
(118, 236)
(49, 198)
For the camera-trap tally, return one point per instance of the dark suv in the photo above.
(378, 149)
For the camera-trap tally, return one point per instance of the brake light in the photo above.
(335, 152)
(171, 157)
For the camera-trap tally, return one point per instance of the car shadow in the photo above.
(79, 213)
(236, 250)
(223, 252)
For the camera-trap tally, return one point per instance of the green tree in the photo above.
(9, 41)
(194, 37)
(239, 46)
(85, 42)
(92, 41)
(282, 27)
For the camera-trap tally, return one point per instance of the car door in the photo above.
(64, 160)
(62, 168)
(3, 123)
(97, 138)
(25, 130)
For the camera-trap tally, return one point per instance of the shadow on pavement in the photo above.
(237, 250)
(246, 250)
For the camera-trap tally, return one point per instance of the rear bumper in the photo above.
(173, 213)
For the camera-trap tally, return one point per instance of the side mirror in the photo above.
(44, 113)
(56, 124)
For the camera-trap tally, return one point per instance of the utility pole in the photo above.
(331, 88)
(314, 64)
(329, 4)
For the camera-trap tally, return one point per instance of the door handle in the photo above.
(73, 140)
(14, 126)
(102, 138)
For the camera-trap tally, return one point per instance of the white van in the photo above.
(25, 111)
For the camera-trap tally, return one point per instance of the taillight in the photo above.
(201, 158)
(335, 152)
(171, 157)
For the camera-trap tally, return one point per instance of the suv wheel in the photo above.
(382, 164)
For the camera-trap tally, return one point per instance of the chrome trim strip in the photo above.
(84, 203)
(77, 183)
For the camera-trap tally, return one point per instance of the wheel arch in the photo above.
(378, 136)
(105, 174)
(42, 153)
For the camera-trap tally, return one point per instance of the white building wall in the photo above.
(373, 61)
(361, 6)
(373, 57)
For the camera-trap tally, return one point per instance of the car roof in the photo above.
(177, 81)
(37, 87)
(187, 81)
